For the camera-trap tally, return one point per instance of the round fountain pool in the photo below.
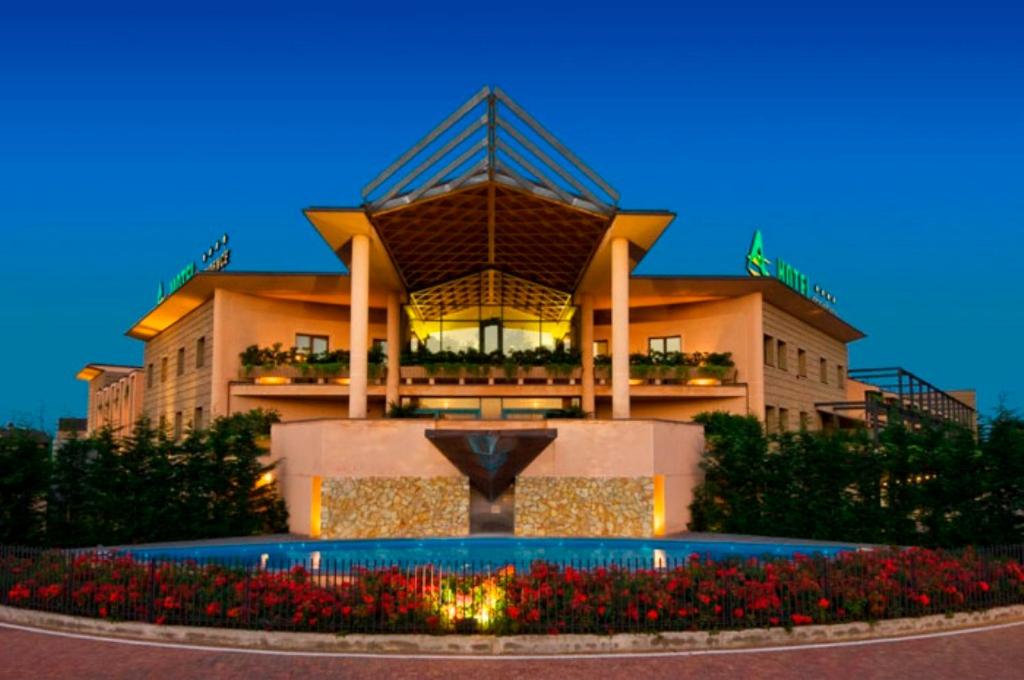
(482, 551)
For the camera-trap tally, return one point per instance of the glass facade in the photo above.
(490, 312)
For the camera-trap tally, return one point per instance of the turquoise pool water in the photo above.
(481, 552)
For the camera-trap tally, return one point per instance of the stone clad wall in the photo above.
(584, 506)
(389, 507)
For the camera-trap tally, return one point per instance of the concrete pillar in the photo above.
(359, 274)
(394, 349)
(587, 351)
(620, 328)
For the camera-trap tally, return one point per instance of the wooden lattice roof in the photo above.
(491, 288)
(447, 237)
(490, 187)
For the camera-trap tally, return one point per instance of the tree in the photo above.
(24, 475)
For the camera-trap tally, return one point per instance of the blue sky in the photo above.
(878, 146)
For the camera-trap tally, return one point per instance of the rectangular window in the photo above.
(149, 375)
(801, 363)
(823, 369)
(840, 377)
(197, 418)
(181, 361)
(670, 343)
(769, 350)
(311, 344)
(783, 419)
(163, 369)
(805, 420)
(600, 348)
(379, 346)
(177, 424)
(770, 419)
(200, 352)
(163, 424)
(782, 356)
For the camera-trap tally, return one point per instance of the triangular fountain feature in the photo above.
(491, 458)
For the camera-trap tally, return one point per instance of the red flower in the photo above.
(652, 615)
(513, 612)
(924, 600)
(983, 586)
(213, 609)
(737, 613)
(824, 603)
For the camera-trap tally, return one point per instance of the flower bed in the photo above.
(543, 599)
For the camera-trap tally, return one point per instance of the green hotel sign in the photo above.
(759, 265)
(214, 260)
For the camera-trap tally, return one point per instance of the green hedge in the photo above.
(100, 490)
(937, 487)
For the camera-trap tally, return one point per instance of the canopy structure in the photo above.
(488, 189)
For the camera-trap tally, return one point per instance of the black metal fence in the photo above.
(662, 594)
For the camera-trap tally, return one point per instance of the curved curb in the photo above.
(515, 646)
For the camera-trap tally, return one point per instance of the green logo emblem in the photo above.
(757, 263)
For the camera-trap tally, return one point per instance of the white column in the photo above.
(620, 328)
(394, 349)
(587, 351)
(359, 274)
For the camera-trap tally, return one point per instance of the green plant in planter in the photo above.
(402, 410)
(568, 412)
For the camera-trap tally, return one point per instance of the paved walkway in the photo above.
(985, 655)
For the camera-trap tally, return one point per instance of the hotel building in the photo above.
(490, 238)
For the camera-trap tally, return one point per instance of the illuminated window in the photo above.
(769, 350)
(823, 370)
(181, 361)
(600, 348)
(311, 344)
(200, 352)
(671, 343)
(782, 356)
(801, 363)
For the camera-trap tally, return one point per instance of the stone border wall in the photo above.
(584, 506)
(484, 645)
(394, 507)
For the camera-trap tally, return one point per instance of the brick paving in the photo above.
(987, 655)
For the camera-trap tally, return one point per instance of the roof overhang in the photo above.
(652, 291)
(641, 228)
(337, 226)
(92, 371)
(318, 288)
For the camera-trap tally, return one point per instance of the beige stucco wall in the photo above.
(242, 320)
(313, 452)
(731, 325)
(785, 388)
(116, 400)
(184, 393)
